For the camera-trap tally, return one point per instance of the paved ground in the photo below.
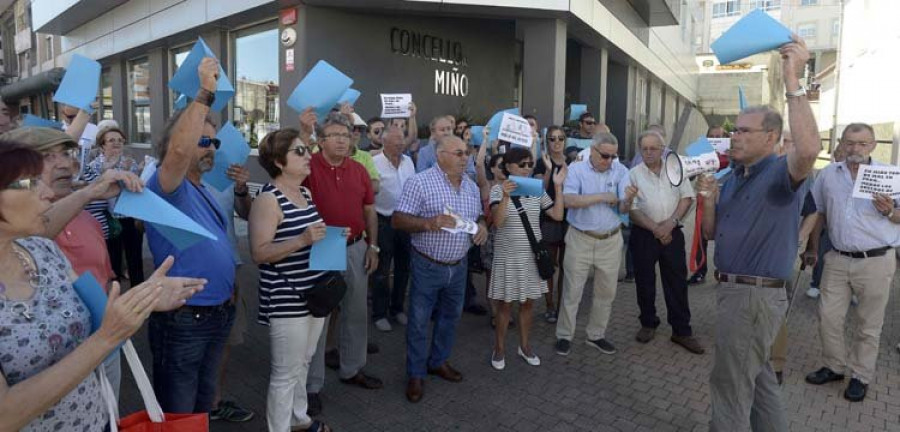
(653, 387)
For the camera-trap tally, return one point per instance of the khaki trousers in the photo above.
(583, 255)
(870, 280)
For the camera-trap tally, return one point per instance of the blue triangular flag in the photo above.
(80, 84)
(756, 32)
(742, 100)
(187, 82)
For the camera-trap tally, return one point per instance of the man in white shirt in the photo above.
(656, 237)
(395, 168)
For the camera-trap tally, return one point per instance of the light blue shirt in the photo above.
(584, 180)
(428, 158)
(854, 224)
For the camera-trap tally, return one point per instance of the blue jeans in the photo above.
(395, 249)
(187, 346)
(433, 285)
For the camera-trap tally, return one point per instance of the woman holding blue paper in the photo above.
(48, 355)
(515, 275)
(284, 224)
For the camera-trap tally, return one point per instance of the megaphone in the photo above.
(680, 167)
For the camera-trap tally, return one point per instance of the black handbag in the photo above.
(325, 295)
(541, 255)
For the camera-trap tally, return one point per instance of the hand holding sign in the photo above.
(515, 130)
(877, 179)
(396, 105)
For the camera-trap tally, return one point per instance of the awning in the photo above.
(43, 82)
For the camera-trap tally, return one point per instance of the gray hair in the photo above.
(857, 127)
(391, 129)
(605, 138)
(162, 146)
(772, 120)
(435, 120)
(335, 118)
(651, 133)
(444, 140)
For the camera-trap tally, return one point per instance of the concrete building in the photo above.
(631, 61)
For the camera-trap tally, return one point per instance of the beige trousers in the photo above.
(585, 254)
(870, 280)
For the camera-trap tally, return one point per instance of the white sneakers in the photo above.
(500, 364)
(383, 325)
(497, 364)
(812, 292)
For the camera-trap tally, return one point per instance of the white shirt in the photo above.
(656, 197)
(392, 181)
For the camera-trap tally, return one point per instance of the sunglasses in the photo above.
(377, 131)
(556, 139)
(605, 155)
(206, 141)
(528, 164)
(25, 184)
(299, 150)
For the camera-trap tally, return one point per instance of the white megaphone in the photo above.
(679, 167)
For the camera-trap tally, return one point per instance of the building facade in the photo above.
(630, 61)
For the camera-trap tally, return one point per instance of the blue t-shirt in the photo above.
(212, 260)
(758, 220)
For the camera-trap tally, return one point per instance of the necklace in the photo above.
(20, 307)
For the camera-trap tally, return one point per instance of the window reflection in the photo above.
(139, 99)
(255, 111)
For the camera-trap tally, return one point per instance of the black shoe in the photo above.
(372, 348)
(333, 359)
(823, 375)
(629, 278)
(563, 347)
(779, 375)
(856, 390)
(603, 345)
(696, 279)
(313, 404)
(476, 309)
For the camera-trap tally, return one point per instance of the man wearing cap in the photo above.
(755, 221)
(187, 343)
(863, 233)
(342, 191)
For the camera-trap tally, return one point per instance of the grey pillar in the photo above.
(159, 78)
(604, 78)
(592, 81)
(288, 80)
(544, 73)
(119, 80)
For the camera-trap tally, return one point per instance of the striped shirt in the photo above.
(280, 282)
(97, 208)
(428, 194)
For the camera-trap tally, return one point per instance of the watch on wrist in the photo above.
(240, 194)
(888, 213)
(205, 97)
(677, 221)
(796, 93)
(375, 248)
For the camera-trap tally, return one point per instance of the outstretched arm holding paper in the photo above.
(807, 143)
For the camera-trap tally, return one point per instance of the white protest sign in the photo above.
(149, 168)
(462, 225)
(882, 179)
(515, 130)
(722, 145)
(395, 105)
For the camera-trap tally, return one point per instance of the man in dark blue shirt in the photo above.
(755, 223)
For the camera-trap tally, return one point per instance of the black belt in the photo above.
(750, 280)
(352, 241)
(207, 309)
(866, 254)
(445, 264)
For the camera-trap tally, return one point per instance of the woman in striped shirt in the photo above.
(284, 223)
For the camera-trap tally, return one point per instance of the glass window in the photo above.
(835, 28)
(809, 2)
(106, 95)
(177, 58)
(726, 8)
(255, 109)
(768, 4)
(139, 99)
(807, 32)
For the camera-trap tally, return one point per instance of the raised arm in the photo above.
(807, 143)
(412, 126)
(187, 131)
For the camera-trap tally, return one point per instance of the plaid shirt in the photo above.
(426, 195)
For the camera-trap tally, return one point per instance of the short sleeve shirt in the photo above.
(582, 179)
(340, 192)
(657, 197)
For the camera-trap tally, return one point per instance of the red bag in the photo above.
(140, 422)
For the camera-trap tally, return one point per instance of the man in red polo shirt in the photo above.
(343, 194)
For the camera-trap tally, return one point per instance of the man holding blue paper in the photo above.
(187, 343)
(755, 221)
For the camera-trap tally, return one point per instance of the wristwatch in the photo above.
(205, 97)
(677, 221)
(375, 248)
(796, 93)
(888, 213)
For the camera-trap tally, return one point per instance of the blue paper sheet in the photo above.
(350, 96)
(174, 225)
(699, 147)
(35, 121)
(722, 173)
(495, 121)
(80, 84)
(330, 253)
(576, 110)
(320, 89)
(579, 142)
(93, 296)
(234, 150)
(477, 135)
(527, 186)
(742, 100)
(187, 82)
(756, 32)
(181, 102)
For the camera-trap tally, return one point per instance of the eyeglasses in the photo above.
(459, 153)
(115, 140)
(528, 164)
(377, 131)
(743, 130)
(299, 150)
(206, 141)
(25, 184)
(556, 139)
(338, 136)
(605, 155)
(855, 143)
(64, 155)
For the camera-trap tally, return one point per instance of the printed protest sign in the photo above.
(515, 130)
(395, 105)
(872, 179)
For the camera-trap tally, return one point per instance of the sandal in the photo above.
(316, 426)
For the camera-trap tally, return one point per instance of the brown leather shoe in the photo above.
(364, 381)
(645, 334)
(446, 372)
(689, 343)
(414, 390)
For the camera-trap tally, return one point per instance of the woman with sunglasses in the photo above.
(283, 226)
(515, 274)
(553, 231)
(49, 357)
